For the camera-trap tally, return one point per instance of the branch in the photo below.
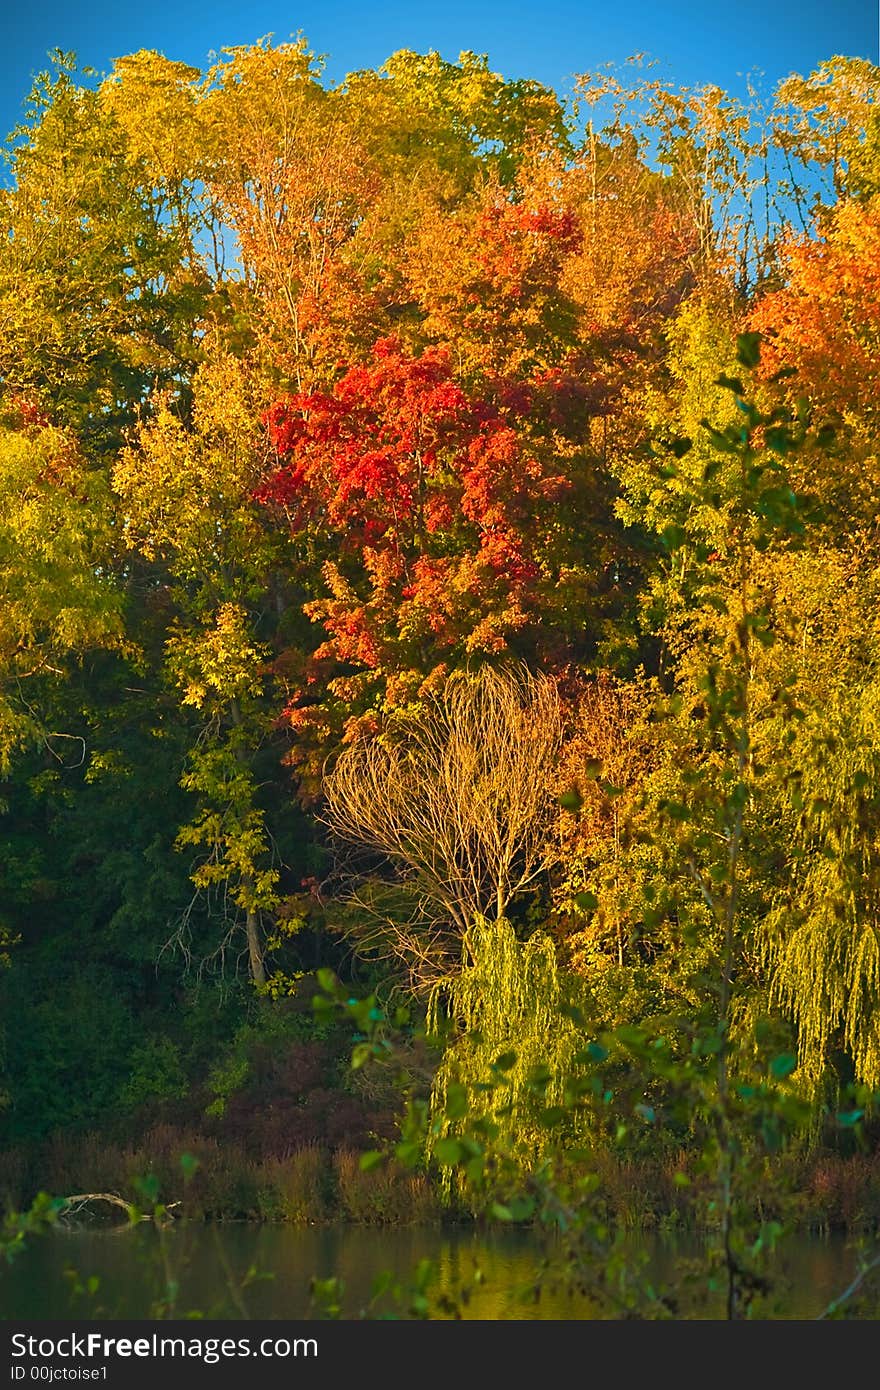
(849, 1290)
(72, 1206)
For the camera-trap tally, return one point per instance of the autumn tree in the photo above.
(98, 288)
(455, 530)
(821, 328)
(58, 598)
(819, 941)
(324, 401)
(185, 504)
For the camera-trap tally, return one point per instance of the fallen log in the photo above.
(72, 1206)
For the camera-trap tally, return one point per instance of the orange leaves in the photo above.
(826, 320)
(487, 276)
(520, 250)
(636, 257)
(470, 337)
(825, 325)
(289, 174)
(592, 255)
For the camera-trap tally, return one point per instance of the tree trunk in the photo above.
(255, 948)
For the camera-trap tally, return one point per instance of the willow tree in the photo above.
(821, 943)
(456, 802)
(515, 1044)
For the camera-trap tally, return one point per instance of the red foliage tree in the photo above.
(454, 523)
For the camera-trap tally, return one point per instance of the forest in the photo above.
(439, 641)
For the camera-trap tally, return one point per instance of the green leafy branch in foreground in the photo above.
(19, 1227)
(470, 1143)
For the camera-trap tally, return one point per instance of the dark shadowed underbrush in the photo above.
(313, 1184)
(309, 1185)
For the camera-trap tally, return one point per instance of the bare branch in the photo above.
(459, 799)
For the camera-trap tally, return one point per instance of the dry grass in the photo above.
(388, 1195)
(314, 1185)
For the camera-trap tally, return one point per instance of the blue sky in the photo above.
(547, 39)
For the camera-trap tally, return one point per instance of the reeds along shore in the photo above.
(312, 1185)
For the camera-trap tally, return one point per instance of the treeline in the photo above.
(429, 504)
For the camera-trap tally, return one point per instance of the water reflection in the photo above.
(232, 1271)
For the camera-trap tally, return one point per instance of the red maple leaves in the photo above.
(399, 456)
(444, 515)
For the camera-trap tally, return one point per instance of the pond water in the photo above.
(236, 1271)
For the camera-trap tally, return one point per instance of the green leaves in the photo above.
(783, 1065)
(189, 1166)
(449, 1152)
(571, 801)
(673, 537)
(328, 981)
(456, 1097)
(730, 383)
(848, 1119)
(748, 350)
(372, 1159)
(586, 901)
